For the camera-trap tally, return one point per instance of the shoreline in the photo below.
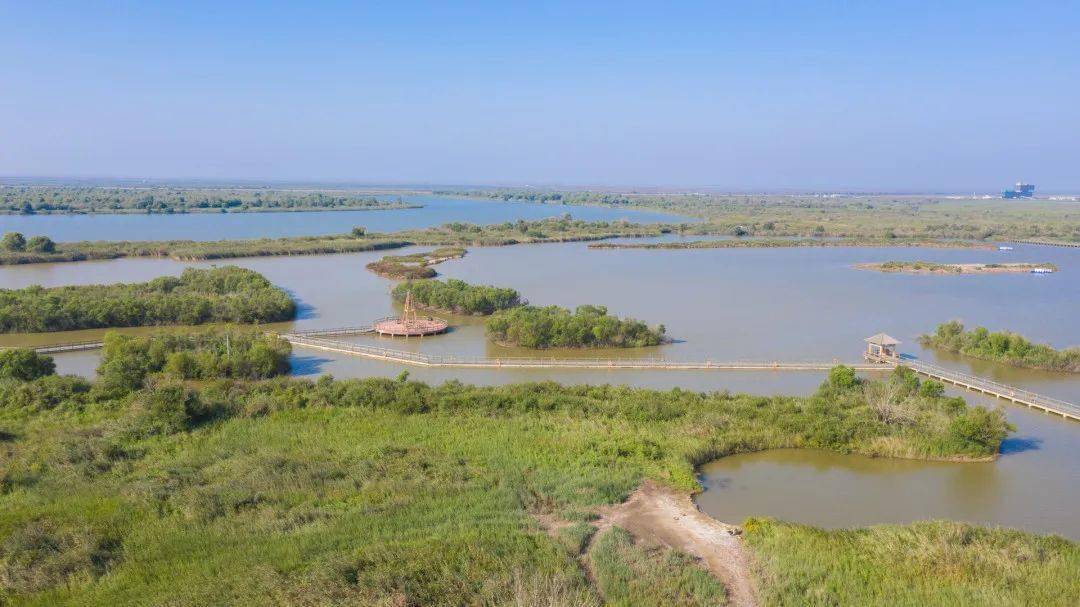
(955, 269)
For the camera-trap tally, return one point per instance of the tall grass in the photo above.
(376, 491)
(929, 563)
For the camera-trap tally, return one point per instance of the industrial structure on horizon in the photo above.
(1022, 190)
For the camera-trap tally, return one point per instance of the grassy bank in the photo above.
(458, 296)
(781, 243)
(1001, 346)
(853, 216)
(453, 234)
(930, 563)
(557, 327)
(931, 267)
(289, 491)
(415, 266)
(217, 295)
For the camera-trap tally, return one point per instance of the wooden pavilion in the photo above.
(881, 348)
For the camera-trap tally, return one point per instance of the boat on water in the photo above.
(1042, 271)
(1005, 248)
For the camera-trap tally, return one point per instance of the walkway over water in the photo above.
(993, 388)
(322, 339)
(315, 340)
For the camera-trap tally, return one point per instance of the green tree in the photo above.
(13, 241)
(25, 364)
(40, 244)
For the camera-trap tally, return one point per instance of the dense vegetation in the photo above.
(358, 240)
(557, 327)
(458, 296)
(226, 294)
(30, 200)
(854, 216)
(128, 360)
(283, 491)
(415, 266)
(24, 364)
(928, 563)
(1001, 346)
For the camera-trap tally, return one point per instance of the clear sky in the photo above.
(860, 95)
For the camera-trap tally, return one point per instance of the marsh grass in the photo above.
(927, 563)
(630, 573)
(377, 491)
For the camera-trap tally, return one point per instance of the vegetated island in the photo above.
(773, 243)
(291, 491)
(457, 296)
(416, 265)
(15, 248)
(1050, 222)
(930, 267)
(51, 200)
(217, 295)
(1001, 346)
(556, 327)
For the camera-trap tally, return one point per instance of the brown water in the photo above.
(749, 304)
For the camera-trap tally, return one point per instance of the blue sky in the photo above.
(871, 96)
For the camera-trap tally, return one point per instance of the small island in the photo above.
(414, 266)
(457, 296)
(1001, 346)
(217, 295)
(930, 267)
(557, 327)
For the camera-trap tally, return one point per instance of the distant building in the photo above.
(1022, 190)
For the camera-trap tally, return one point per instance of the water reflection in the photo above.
(308, 365)
(835, 490)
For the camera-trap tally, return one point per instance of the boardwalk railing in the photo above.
(436, 360)
(320, 339)
(335, 332)
(74, 346)
(993, 388)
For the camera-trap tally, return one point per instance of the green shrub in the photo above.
(1003, 346)
(13, 241)
(41, 244)
(127, 360)
(458, 296)
(556, 327)
(24, 364)
(226, 294)
(980, 429)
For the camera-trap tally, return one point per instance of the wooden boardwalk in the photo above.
(435, 360)
(993, 388)
(69, 347)
(323, 339)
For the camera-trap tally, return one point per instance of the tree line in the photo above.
(30, 200)
(557, 327)
(1001, 346)
(458, 296)
(216, 295)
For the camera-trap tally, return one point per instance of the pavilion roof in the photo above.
(882, 339)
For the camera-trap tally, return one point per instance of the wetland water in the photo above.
(728, 304)
(436, 210)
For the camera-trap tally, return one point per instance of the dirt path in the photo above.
(671, 518)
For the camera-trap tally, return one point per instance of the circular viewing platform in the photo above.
(413, 327)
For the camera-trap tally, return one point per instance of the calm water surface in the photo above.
(750, 304)
(436, 211)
